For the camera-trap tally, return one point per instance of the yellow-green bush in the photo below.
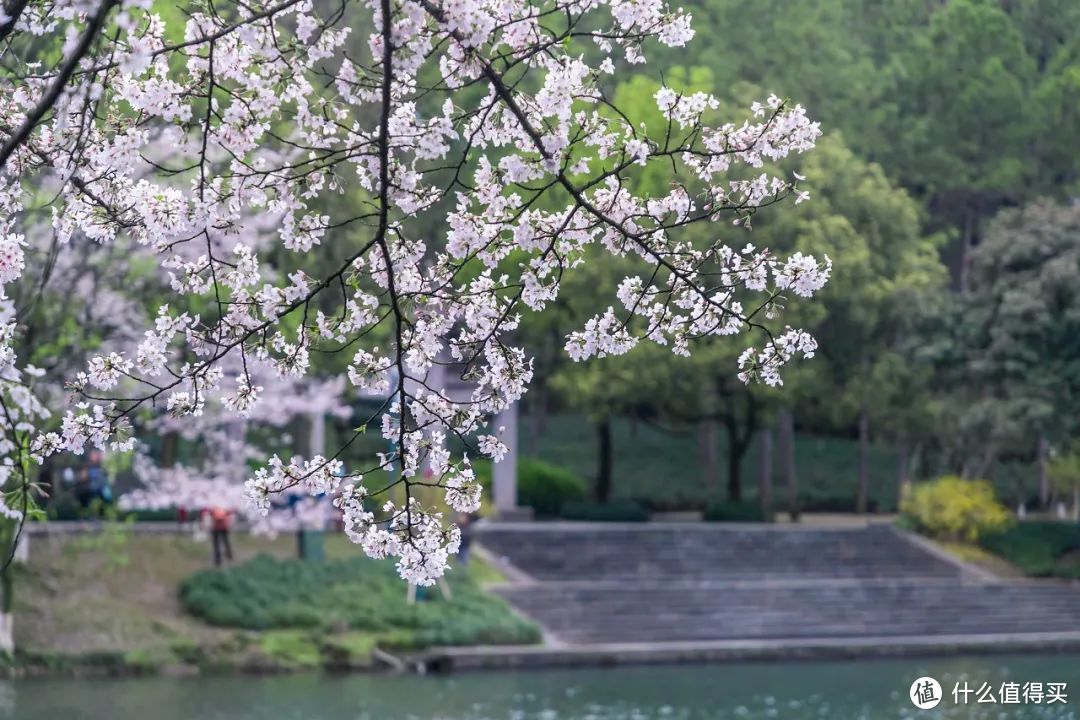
(952, 508)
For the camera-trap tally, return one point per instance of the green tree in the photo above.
(962, 129)
(1064, 474)
(1015, 361)
(882, 265)
(608, 387)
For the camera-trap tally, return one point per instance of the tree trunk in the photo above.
(736, 450)
(7, 593)
(538, 419)
(786, 443)
(977, 467)
(765, 452)
(967, 241)
(169, 445)
(1044, 477)
(861, 496)
(738, 444)
(603, 476)
(708, 457)
(7, 617)
(903, 471)
(985, 469)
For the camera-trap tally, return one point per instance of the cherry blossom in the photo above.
(374, 180)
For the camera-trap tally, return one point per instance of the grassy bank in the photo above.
(111, 602)
(1039, 548)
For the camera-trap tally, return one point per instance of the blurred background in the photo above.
(944, 403)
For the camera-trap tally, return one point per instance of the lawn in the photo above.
(1041, 548)
(113, 599)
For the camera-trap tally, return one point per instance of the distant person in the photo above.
(94, 481)
(83, 493)
(220, 523)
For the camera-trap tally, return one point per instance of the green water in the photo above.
(800, 691)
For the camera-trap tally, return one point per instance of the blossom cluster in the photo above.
(21, 410)
(278, 166)
(226, 451)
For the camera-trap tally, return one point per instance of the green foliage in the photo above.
(545, 488)
(149, 659)
(673, 502)
(1040, 548)
(937, 115)
(356, 593)
(965, 90)
(614, 511)
(350, 649)
(882, 264)
(291, 648)
(735, 512)
(1064, 472)
(65, 506)
(952, 508)
(143, 515)
(1012, 356)
(653, 465)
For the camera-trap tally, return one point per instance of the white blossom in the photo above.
(290, 216)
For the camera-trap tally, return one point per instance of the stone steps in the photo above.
(558, 552)
(591, 584)
(640, 614)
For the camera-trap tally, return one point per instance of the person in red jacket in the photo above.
(220, 523)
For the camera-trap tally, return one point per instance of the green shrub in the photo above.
(1040, 548)
(160, 515)
(673, 503)
(906, 522)
(545, 488)
(65, 507)
(357, 593)
(614, 511)
(734, 512)
(952, 508)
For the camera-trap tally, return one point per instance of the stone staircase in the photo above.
(590, 584)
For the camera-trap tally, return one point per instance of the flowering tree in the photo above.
(227, 452)
(426, 184)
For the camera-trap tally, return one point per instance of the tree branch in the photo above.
(48, 100)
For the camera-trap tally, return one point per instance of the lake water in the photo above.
(863, 690)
